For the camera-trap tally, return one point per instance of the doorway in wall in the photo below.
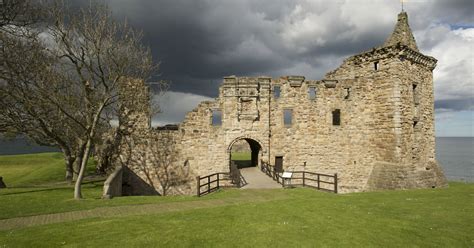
(279, 163)
(245, 153)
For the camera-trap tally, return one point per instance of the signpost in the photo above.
(287, 178)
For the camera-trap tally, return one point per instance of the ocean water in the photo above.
(456, 157)
(22, 146)
(455, 154)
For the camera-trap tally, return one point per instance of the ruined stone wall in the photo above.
(135, 105)
(241, 146)
(385, 138)
(155, 164)
(312, 139)
(151, 159)
(244, 114)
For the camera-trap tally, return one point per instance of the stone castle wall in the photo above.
(385, 138)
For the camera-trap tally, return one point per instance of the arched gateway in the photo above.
(370, 121)
(256, 150)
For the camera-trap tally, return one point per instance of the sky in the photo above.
(199, 42)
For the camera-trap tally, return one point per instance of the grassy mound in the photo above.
(32, 169)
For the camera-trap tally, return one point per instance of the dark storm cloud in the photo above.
(198, 42)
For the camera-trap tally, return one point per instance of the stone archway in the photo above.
(255, 150)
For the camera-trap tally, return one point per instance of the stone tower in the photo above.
(371, 121)
(402, 33)
(398, 81)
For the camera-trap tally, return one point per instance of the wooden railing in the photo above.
(210, 183)
(271, 172)
(315, 180)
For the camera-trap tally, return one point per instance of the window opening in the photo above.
(312, 93)
(336, 117)
(276, 92)
(348, 94)
(287, 117)
(376, 66)
(216, 117)
(415, 94)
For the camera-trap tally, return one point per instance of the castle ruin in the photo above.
(371, 121)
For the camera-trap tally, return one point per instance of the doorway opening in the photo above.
(245, 153)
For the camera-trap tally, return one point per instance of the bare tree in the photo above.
(65, 90)
(99, 53)
(27, 79)
(20, 12)
(155, 156)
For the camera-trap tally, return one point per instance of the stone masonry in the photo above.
(371, 121)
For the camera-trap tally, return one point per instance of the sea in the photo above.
(454, 154)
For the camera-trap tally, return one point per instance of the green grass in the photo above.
(307, 218)
(298, 217)
(239, 156)
(36, 186)
(32, 169)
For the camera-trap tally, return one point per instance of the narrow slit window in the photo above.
(312, 93)
(348, 94)
(216, 117)
(376, 65)
(287, 117)
(276, 92)
(415, 94)
(336, 117)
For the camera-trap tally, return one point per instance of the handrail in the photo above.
(306, 176)
(214, 184)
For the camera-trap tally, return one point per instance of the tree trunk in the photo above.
(87, 151)
(70, 169)
(69, 163)
(82, 169)
(77, 165)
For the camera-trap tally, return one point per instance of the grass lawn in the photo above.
(32, 169)
(242, 159)
(298, 217)
(36, 186)
(240, 156)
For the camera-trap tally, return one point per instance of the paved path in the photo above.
(129, 210)
(256, 179)
(253, 176)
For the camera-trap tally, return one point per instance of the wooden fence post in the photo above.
(303, 178)
(318, 183)
(198, 179)
(335, 183)
(239, 180)
(209, 184)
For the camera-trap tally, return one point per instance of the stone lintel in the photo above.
(330, 83)
(265, 79)
(295, 81)
(230, 79)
